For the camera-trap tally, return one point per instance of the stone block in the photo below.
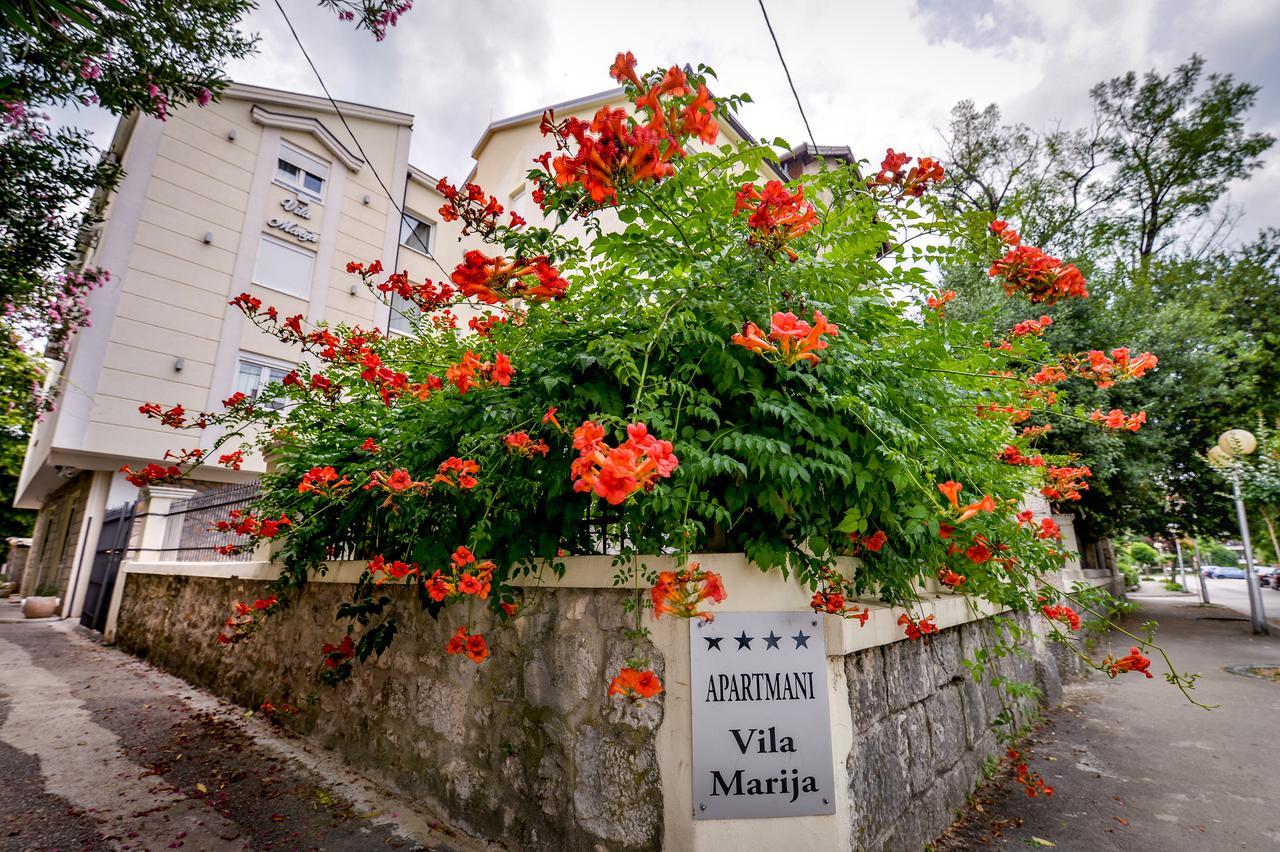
(617, 795)
(1049, 679)
(576, 662)
(959, 781)
(913, 733)
(921, 823)
(946, 654)
(944, 711)
(868, 696)
(973, 710)
(907, 672)
(442, 707)
(879, 783)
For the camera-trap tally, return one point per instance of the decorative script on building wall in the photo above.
(293, 229)
(761, 725)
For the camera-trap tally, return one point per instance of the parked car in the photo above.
(1223, 573)
(1269, 576)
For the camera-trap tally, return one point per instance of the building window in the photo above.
(415, 233)
(254, 373)
(283, 267)
(301, 172)
(520, 202)
(402, 311)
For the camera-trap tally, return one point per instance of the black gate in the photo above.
(113, 542)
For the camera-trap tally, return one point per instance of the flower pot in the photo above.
(39, 607)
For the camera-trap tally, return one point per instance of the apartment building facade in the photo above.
(265, 192)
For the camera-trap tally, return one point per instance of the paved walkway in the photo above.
(101, 751)
(1136, 767)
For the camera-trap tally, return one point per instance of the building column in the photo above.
(154, 503)
(95, 507)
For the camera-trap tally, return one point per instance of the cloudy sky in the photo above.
(870, 74)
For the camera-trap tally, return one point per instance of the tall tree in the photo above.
(18, 372)
(1176, 146)
(1125, 199)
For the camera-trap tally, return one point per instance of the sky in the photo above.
(871, 75)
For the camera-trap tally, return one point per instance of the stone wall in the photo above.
(922, 730)
(15, 563)
(528, 750)
(56, 537)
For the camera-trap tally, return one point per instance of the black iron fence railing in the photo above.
(190, 536)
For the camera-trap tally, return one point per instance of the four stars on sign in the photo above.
(771, 641)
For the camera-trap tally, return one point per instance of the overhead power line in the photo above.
(786, 71)
(404, 217)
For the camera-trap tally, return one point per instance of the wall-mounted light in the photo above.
(352, 290)
(367, 199)
(232, 134)
(208, 237)
(178, 364)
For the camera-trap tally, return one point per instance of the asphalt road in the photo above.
(1233, 595)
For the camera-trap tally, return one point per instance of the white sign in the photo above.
(761, 724)
(297, 207)
(293, 229)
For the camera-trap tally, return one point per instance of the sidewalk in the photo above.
(1135, 767)
(98, 750)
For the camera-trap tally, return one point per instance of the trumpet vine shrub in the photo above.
(736, 363)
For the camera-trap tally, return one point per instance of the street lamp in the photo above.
(1177, 546)
(1233, 444)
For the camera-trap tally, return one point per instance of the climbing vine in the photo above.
(724, 361)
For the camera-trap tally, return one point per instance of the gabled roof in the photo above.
(587, 101)
(423, 177)
(316, 128)
(598, 99)
(276, 97)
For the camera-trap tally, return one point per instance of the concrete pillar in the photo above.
(154, 503)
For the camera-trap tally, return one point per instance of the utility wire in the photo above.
(404, 217)
(785, 70)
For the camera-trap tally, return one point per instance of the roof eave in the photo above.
(263, 95)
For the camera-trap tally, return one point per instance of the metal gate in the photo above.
(113, 542)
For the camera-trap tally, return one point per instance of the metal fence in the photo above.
(190, 537)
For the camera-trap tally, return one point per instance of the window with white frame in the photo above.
(415, 234)
(402, 313)
(521, 202)
(284, 267)
(301, 172)
(254, 372)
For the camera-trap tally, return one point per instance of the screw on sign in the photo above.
(761, 723)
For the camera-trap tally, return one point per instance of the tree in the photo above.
(146, 56)
(1144, 554)
(1260, 482)
(126, 56)
(1124, 199)
(1213, 552)
(18, 374)
(1175, 146)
